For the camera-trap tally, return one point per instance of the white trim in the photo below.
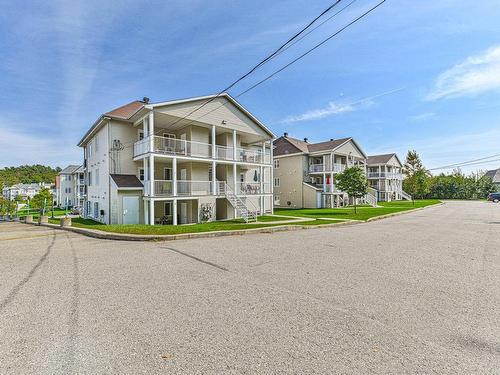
(286, 155)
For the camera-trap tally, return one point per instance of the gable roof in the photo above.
(70, 169)
(126, 181)
(381, 159)
(127, 111)
(494, 174)
(288, 145)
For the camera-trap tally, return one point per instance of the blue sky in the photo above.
(421, 75)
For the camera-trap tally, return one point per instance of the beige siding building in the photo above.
(385, 175)
(304, 173)
(178, 162)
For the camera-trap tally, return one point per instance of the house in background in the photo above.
(177, 162)
(69, 182)
(304, 173)
(385, 175)
(494, 174)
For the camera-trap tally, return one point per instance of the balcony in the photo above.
(250, 188)
(389, 175)
(337, 168)
(181, 147)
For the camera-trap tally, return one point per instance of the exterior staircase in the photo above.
(406, 196)
(371, 197)
(243, 208)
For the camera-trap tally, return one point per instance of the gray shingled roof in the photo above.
(126, 181)
(379, 159)
(287, 145)
(494, 174)
(70, 169)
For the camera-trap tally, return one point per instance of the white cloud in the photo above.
(422, 116)
(335, 108)
(477, 74)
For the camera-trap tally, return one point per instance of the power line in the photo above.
(465, 163)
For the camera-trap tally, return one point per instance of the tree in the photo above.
(485, 186)
(41, 199)
(416, 176)
(353, 181)
(412, 163)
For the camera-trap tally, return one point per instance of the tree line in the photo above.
(420, 183)
(27, 174)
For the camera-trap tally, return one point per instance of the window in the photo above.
(277, 200)
(96, 209)
(89, 209)
(141, 135)
(276, 163)
(97, 177)
(69, 177)
(141, 174)
(90, 178)
(96, 143)
(276, 182)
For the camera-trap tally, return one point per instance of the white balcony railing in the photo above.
(337, 167)
(249, 188)
(188, 187)
(391, 175)
(162, 188)
(173, 146)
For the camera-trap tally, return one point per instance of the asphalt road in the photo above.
(417, 293)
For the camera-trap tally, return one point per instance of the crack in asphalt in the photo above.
(197, 259)
(13, 293)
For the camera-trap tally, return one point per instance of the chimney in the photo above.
(305, 140)
(145, 100)
(285, 134)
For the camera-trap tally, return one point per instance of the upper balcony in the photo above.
(181, 147)
(388, 175)
(319, 168)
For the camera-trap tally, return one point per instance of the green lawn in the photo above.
(36, 212)
(363, 213)
(230, 225)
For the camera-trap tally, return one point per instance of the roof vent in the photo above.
(285, 134)
(145, 100)
(305, 140)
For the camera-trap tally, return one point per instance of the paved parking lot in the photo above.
(417, 293)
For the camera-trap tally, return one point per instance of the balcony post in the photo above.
(234, 179)
(174, 212)
(174, 177)
(234, 144)
(214, 178)
(271, 170)
(151, 176)
(263, 160)
(151, 212)
(331, 182)
(214, 151)
(151, 121)
(324, 182)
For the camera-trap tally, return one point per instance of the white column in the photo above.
(234, 144)
(174, 177)
(261, 189)
(331, 182)
(272, 176)
(324, 182)
(174, 212)
(214, 178)
(146, 211)
(263, 153)
(214, 151)
(151, 212)
(151, 175)
(234, 179)
(151, 121)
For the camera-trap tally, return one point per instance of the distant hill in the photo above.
(27, 174)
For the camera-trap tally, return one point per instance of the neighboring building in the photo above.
(177, 162)
(385, 175)
(495, 177)
(24, 190)
(304, 173)
(67, 181)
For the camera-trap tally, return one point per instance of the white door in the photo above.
(183, 212)
(318, 200)
(130, 210)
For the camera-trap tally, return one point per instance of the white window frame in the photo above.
(97, 177)
(139, 173)
(89, 178)
(276, 163)
(276, 182)
(276, 200)
(165, 173)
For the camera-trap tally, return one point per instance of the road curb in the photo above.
(183, 236)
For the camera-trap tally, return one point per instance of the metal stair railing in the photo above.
(406, 196)
(244, 209)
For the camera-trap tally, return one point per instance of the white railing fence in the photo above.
(406, 196)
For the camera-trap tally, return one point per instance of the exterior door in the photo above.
(183, 212)
(130, 209)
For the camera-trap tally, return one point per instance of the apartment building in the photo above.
(384, 173)
(304, 173)
(26, 191)
(177, 162)
(70, 187)
(494, 174)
